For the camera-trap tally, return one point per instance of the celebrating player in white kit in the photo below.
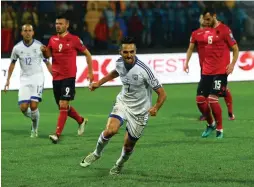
(31, 76)
(133, 103)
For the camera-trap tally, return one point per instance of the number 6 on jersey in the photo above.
(210, 39)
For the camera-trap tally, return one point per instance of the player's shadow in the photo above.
(191, 132)
(185, 116)
(44, 136)
(17, 132)
(96, 172)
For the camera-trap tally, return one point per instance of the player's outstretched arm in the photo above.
(160, 100)
(231, 66)
(10, 70)
(89, 64)
(113, 74)
(188, 56)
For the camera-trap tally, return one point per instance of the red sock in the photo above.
(75, 115)
(204, 108)
(229, 102)
(63, 114)
(217, 112)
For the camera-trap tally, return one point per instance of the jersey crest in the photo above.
(135, 77)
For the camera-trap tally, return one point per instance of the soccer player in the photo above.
(215, 69)
(31, 76)
(197, 40)
(133, 103)
(64, 47)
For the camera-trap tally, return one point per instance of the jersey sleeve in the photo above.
(151, 78)
(14, 55)
(229, 37)
(193, 38)
(79, 46)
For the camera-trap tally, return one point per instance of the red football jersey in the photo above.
(64, 52)
(197, 37)
(217, 51)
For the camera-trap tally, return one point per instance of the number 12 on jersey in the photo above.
(28, 61)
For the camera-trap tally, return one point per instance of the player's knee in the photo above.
(23, 108)
(111, 131)
(213, 99)
(200, 99)
(33, 106)
(112, 127)
(63, 104)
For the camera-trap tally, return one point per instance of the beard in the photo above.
(60, 31)
(213, 23)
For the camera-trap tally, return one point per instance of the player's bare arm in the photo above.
(113, 74)
(46, 51)
(160, 100)
(188, 56)
(231, 66)
(89, 64)
(10, 70)
(49, 67)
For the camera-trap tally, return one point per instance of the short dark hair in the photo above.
(63, 16)
(128, 40)
(210, 10)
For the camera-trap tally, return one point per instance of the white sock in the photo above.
(101, 143)
(124, 157)
(35, 116)
(27, 113)
(213, 124)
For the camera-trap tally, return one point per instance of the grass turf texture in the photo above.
(171, 151)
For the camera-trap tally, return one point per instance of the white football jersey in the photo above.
(30, 58)
(138, 83)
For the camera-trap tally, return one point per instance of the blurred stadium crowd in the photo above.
(102, 24)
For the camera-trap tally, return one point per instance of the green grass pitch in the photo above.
(170, 152)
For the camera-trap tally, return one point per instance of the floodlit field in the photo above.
(170, 153)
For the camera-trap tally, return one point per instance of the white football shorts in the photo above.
(31, 89)
(135, 124)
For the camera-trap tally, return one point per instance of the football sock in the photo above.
(204, 108)
(124, 157)
(35, 116)
(75, 115)
(61, 120)
(27, 113)
(229, 102)
(101, 143)
(217, 112)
